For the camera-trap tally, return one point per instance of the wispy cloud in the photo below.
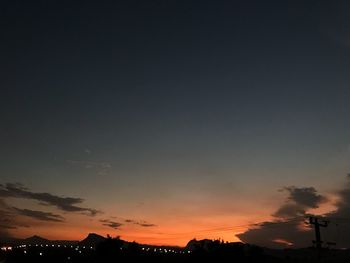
(110, 223)
(8, 220)
(39, 215)
(67, 204)
(116, 225)
(140, 223)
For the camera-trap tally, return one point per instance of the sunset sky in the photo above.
(165, 120)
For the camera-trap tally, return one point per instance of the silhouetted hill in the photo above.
(35, 240)
(92, 240)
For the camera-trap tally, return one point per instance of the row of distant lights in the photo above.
(160, 250)
(77, 248)
(65, 246)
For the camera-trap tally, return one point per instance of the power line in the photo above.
(266, 224)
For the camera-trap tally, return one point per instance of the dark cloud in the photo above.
(140, 223)
(289, 226)
(145, 224)
(289, 211)
(116, 225)
(5, 224)
(39, 215)
(270, 233)
(305, 196)
(339, 226)
(5, 216)
(343, 204)
(112, 224)
(299, 200)
(68, 204)
(8, 221)
(289, 223)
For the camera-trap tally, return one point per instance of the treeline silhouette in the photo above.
(116, 250)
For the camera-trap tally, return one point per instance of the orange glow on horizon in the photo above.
(171, 228)
(178, 235)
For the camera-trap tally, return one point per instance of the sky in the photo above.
(165, 120)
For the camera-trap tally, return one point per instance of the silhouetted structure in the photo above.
(197, 251)
(314, 221)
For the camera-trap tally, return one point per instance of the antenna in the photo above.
(315, 221)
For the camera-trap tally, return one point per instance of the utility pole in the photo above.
(314, 221)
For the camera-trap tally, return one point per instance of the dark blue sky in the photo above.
(112, 95)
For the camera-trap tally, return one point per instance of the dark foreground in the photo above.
(114, 250)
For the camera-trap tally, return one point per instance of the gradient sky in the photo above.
(172, 118)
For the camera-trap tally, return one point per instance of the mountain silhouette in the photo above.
(35, 240)
(92, 240)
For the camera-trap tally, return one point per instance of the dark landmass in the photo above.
(92, 240)
(96, 248)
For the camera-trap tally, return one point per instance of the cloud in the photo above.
(140, 223)
(289, 211)
(299, 200)
(339, 226)
(112, 224)
(39, 215)
(117, 225)
(67, 204)
(305, 196)
(268, 233)
(343, 204)
(288, 224)
(146, 224)
(8, 221)
(6, 217)
(5, 222)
